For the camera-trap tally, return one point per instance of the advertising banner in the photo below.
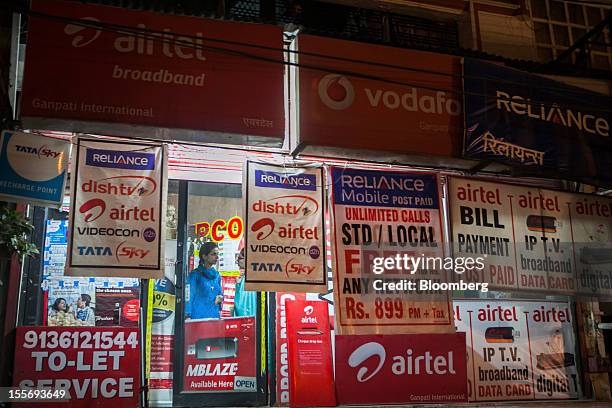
(282, 346)
(117, 307)
(55, 248)
(172, 72)
(388, 214)
(541, 126)
(285, 244)
(531, 238)
(220, 355)
(95, 366)
(401, 369)
(33, 168)
(399, 105)
(116, 214)
(71, 303)
(162, 331)
(310, 358)
(518, 350)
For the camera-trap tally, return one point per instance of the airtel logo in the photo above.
(93, 209)
(364, 352)
(336, 91)
(82, 36)
(308, 310)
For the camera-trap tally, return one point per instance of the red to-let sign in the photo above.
(311, 375)
(155, 70)
(97, 367)
(398, 369)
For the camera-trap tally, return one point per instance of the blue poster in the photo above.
(33, 168)
(539, 126)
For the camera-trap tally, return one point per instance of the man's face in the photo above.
(240, 260)
(80, 302)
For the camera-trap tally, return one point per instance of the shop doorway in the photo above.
(218, 344)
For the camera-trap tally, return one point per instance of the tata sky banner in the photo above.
(169, 71)
(539, 125)
(285, 243)
(33, 168)
(116, 215)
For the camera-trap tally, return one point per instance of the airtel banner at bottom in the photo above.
(396, 369)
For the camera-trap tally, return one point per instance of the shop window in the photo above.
(561, 35)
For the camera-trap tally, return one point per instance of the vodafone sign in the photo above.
(174, 77)
(424, 116)
(396, 369)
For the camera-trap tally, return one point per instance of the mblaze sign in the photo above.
(116, 226)
(33, 168)
(424, 116)
(159, 65)
(398, 369)
(285, 225)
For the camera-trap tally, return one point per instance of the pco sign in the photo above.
(220, 229)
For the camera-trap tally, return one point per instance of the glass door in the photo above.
(218, 343)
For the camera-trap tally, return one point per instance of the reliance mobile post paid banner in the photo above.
(117, 221)
(538, 125)
(285, 243)
(518, 350)
(158, 71)
(33, 168)
(94, 366)
(531, 238)
(355, 112)
(387, 214)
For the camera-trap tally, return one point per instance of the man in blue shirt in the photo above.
(245, 302)
(205, 294)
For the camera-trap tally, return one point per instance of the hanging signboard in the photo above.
(518, 350)
(119, 192)
(285, 244)
(401, 369)
(538, 125)
(383, 215)
(175, 75)
(91, 366)
(33, 168)
(533, 239)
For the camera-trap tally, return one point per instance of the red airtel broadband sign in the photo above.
(171, 78)
(414, 108)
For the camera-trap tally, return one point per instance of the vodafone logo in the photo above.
(363, 353)
(336, 92)
(82, 36)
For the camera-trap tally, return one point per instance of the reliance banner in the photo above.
(519, 350)
(90, 64)
(285, 243)
(401, 369)
(117, 222)
(87, 366)
(383, 215)
(400, 101)
(33, 168)
(539, 125)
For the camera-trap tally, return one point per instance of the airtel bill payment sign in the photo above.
(163, 79)
(285, 245)
(116, 215)
(396, 369)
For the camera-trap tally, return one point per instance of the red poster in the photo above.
(311, 375)
(398, 369)
(220, 355)
(424, 116)
(77, 73)
(282, 355)
(97, 367)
